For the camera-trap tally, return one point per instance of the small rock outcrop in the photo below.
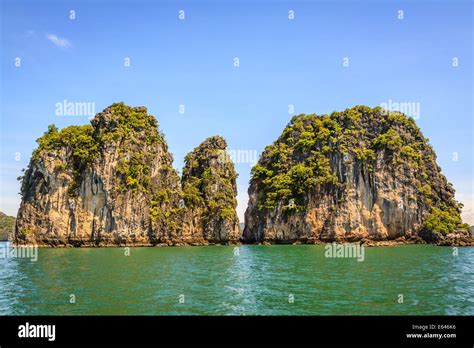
(363, 174)
(209, 191)
(108, 183)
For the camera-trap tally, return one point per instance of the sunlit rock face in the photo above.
(361, 174)
(112, 183)
(210, 190)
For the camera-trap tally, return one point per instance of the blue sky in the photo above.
(190, 62)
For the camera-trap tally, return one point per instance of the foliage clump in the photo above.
(120, 122)
(78, 141)
(445, 219)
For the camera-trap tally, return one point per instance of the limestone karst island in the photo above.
(360, 175)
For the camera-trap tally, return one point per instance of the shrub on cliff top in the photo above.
(76, 140)
(127, 121)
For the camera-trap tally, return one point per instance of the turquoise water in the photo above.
(258, 281)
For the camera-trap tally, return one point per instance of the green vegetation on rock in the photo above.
(116, 176)
(209, 179)
(127, 123)
(7, 226)
(135, 131)
(78, 146)
(78, 140)
(311, 147)
(444, 219)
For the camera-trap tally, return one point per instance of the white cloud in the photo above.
(60, 42)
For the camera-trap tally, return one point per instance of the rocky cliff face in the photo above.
(361, 174)
(357, 175)
(209, 190)
(108, 183)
